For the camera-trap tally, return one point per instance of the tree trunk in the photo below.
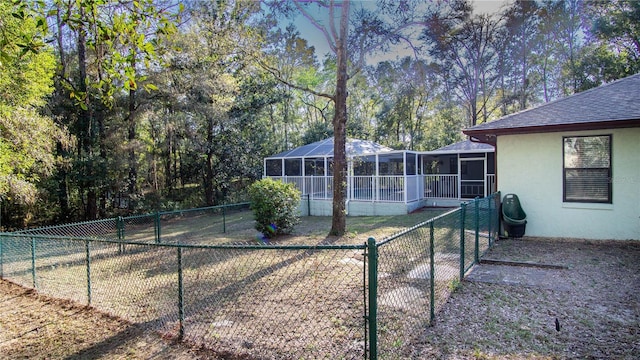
(167, 154)
(208, 168)
(339, 220)
(86, 133)
(131, 121)
(102, 144)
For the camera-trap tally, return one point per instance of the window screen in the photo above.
(274, 167)
(293, 167)
(587, 169)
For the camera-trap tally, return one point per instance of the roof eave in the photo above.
(488, 136)
(452, 152)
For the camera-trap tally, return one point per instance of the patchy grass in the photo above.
(598, 316)
(207, 228)
(242, 305)
(39, 327)
(253, 302)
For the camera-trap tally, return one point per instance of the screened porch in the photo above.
(463, 170)
(378, 175)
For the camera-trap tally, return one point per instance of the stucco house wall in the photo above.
(530, 166)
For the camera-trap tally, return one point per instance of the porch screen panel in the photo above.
(391, 164)
(587, 169)
(293, 167)
(274, 167)
(364, 165)
(314, 167)
(411, 164)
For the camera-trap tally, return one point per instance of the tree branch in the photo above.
(276, 73)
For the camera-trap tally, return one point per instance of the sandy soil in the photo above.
(589, 308)
(586, 307)
(38, 327)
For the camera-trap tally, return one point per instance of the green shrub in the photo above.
(274, 206)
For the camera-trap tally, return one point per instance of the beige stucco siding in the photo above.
(530, 166)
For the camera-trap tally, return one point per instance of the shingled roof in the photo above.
(613, 105)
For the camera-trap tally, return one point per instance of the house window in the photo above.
(587, 169)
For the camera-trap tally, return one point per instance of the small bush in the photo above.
(274, 206)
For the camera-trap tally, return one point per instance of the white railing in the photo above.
(441, 186)
(391, 188)
(318, 187)
(362, 188)
(297, 180)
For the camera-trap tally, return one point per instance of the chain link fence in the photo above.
(191, 226)
(259, 301)
(418, 269)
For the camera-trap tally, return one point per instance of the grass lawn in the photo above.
(211, 228)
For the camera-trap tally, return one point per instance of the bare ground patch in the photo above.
(39, 327)
(596, 301)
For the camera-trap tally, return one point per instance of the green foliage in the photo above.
(27, 139)
(274, 204)
(454, 285)
(21, 31)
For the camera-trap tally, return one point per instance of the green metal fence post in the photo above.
(224, 220)
(88, 254)
(180, 296)
(33, 261)
(120, 227)
(1, 257)
(490, 219)
(120, 232)
(463, 211)
(432, 270)
(498, 214)
(476, 253)
(158, 228)
(309, 203)
(372, 259)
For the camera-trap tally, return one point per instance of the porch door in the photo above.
(472, 177)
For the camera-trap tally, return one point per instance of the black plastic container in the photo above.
(514, 231)
(514, 219)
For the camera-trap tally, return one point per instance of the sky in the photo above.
(316, 39)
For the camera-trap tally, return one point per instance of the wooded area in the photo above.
(112, 107)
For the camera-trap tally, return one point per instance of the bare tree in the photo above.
(332, 18)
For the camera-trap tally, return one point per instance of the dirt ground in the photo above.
(568, 299)
(559, 299)
(38, 327)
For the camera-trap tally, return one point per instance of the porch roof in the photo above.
(466, 146)
(324, 148)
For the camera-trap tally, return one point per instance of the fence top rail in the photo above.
(477, 200)
(205, 208)
(132, 217)
(186, 210)
(65, 225)
(169, 212)
(417, 226)
(4, 235)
